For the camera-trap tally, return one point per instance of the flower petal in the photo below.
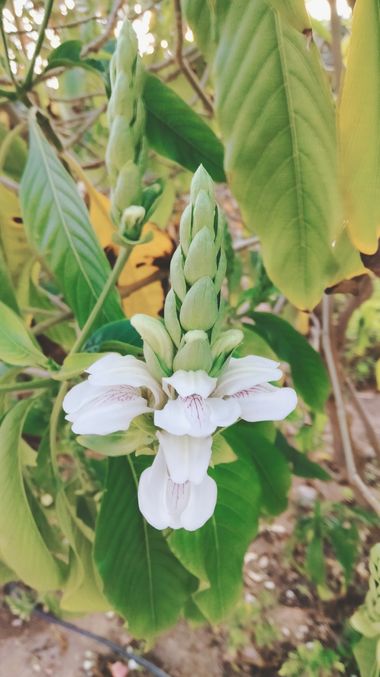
(187, 383)
(201, 504)
(187, 458)
(96, 410)
(151, 494)
(266, 403)
(186, 416)
(223, 412)
(246, 372)
(115, 369)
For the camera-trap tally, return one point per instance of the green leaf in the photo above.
(68, 54)
(6, 574)
(315, 557)
(174, 130)
(57, 223)
(271, 466)
(17, 346)
(277, 122)
(120, 331)
(16, 155)
(215, 552)
(21, 543)
(118, 444)
(308, 370)
(365, 652)
(142, 579)
(345, 541)
(7, 294)
(359, 126)
(301, 465)
(74, 365)
(205, 20)
(82, 589)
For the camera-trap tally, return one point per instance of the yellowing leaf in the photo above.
(13, 241)
(348, 258)
(144, 262)
(359, 126)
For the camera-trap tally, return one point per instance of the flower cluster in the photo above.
(189, 382)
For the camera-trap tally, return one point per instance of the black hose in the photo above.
(116, 648)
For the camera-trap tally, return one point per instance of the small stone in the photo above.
(263, 562)
(249, 598)
(269, 585)
(306, 496)
(250, 557)
(285, 632)
(132, 664)
(290, 594)
(276, 528)
(36, 667)
(88, 665)
(257, 578)
(89, 654)
(17, 622)
(110, 615)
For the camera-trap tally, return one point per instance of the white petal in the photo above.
(246, 372)
(187, 458)
(172, 418)
(188, 383)
(223, 412)
(118, 369)
(186, 416)
(96, 410)
(266, 403)
(201, 504)
(152, 494)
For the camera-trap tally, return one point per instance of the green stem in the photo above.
(57, 407)
(4, 41)
(44, 325)
(40, 39)
(25, 385)
(114, 275)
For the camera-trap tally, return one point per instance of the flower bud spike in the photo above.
(200, 306)
(153, 333)
(185, 228)
(177, 276)
(201, 181)
(203, 214)
(171, 318)
(201, 257)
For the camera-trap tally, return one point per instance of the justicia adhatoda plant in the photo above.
(189, 382)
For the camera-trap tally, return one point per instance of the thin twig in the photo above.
(129, 289)
(40, 39)
(96, 44)
(352, 473)
(183, 64)
(240, 245)
(61, 27)
(4, 41)
(370, 432)
(87, 124)
(44, 325)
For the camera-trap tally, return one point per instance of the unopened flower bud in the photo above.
(185, 228)
(201, 181)
(201, 257)
(177, 276)
(153, 333)
(203, 213)
(195, 335)
(132, 216)
(171, 318)
(221, 272)
(193, 355)
(127, 191)
(227, 342)
(200, 306)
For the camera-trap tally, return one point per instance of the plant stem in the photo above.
(4, 41)
(57, 407)
(40, 39)
(44, 325)
(24, 386)
(352, 473)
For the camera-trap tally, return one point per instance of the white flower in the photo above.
(118, 389)
(166, 503)
(201, 403)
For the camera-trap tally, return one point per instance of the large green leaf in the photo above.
(58, 225)
(359, 125)
(21, 543)
(301, 465)
(17, 347)
(7, 294)
(177, 132)
(215, 552)
(142, 578)
(277, 123)
(205, 20)
(271, 466)
(308, 370)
